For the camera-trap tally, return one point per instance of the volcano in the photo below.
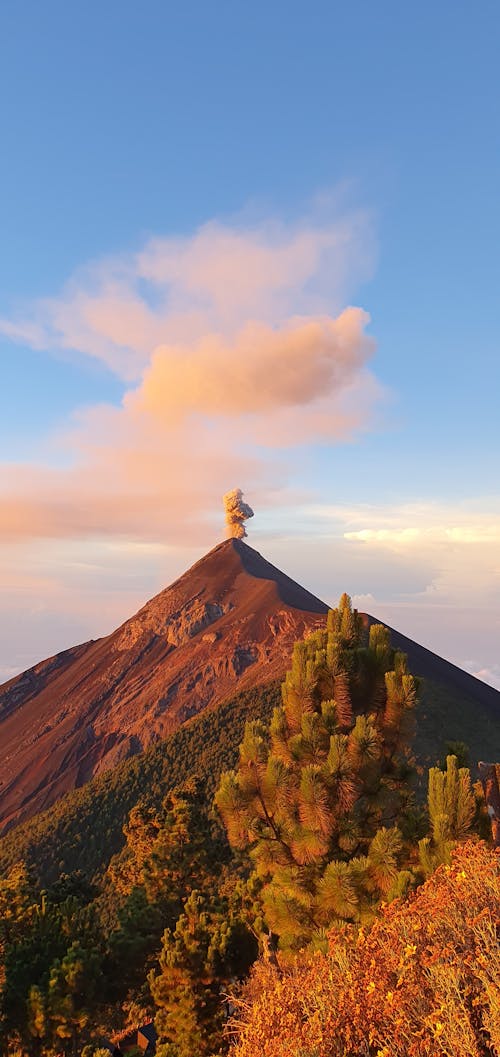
(228, 624)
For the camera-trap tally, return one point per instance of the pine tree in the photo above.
(317, 795)
(38, 934)
(37, 1016)
(197, 960)
(72, 993)
(166, 852)
(165, 859)
(16, 904)
(451, 806)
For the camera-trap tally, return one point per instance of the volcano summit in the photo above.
(228, 624)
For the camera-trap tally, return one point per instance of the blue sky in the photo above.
(124, 124)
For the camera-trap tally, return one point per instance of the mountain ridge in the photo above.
(228, 622)
(226, 625)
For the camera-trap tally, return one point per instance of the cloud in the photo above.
(61, 592)
(430, 569)
(261, 370)
(129, 478)
(455, 544)
(238, 352)
(177, 290)
(234, 348)
(468, 534)
(406, 535)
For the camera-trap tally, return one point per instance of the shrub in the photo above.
(423, 981)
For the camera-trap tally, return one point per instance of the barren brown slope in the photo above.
(228, 623)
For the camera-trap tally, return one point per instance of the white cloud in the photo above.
(406, 535)
(421, 553)
(412, 535)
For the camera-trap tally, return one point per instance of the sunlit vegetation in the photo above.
(85, 828)
(421, 981)
(322, 796)
(370, 917)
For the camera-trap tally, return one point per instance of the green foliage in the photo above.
(73, 985)
(32, 936)
(452, 808)
(16, 899)
(42, 943)
(197, 960)
(141, 893)
(167, 845)
(458, 749)
(317, 793)
(169, 853)
(83, 830)
(37, 1020)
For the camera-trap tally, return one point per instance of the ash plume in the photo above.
(236, 513)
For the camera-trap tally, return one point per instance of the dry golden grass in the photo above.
(423, 981)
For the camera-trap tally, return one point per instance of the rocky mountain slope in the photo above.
(228, 623)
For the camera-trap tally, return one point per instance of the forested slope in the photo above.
(130, 900)
(84, 829)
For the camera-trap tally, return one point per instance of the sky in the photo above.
(256, 246)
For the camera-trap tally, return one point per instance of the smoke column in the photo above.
(236, 513)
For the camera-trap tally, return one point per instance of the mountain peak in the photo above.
(226, 557)
(228, 623)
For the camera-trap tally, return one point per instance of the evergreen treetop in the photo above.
(318, 792)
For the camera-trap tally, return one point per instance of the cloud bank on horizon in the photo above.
(235, 346)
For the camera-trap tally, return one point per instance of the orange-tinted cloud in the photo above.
(141, 472)
(233, 351)
(262, 370)
(178, 290)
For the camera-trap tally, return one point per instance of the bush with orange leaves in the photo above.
(423, 981)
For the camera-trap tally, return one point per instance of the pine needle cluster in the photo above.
(451, 806)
